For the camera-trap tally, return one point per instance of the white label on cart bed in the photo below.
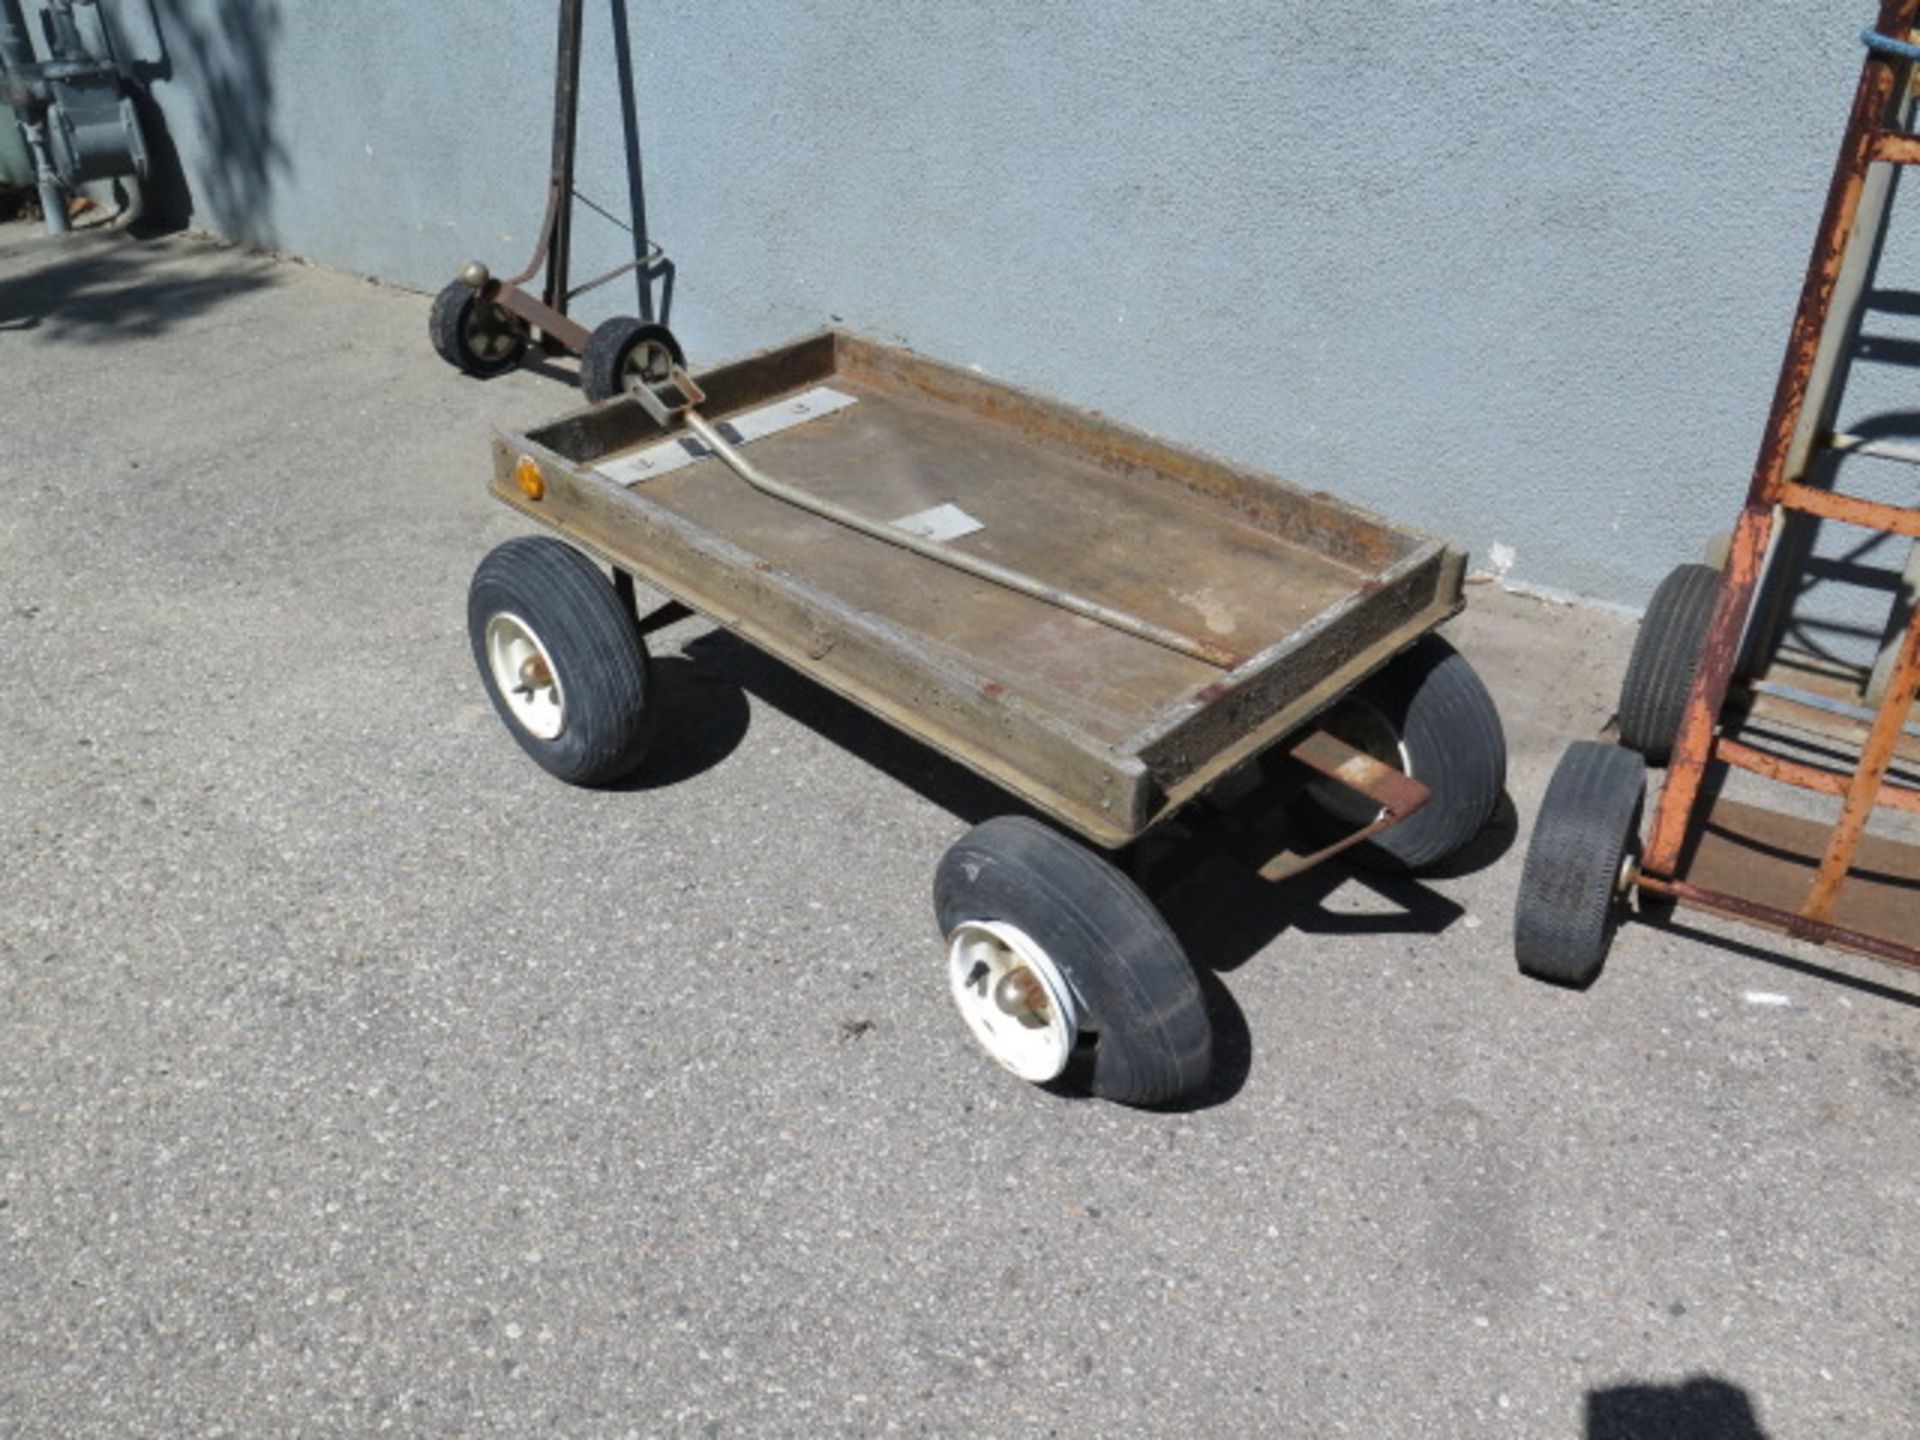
(942, 522)
(670, 455)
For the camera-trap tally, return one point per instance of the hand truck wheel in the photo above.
(1581, 864)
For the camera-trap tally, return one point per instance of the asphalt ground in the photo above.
(357, 1078)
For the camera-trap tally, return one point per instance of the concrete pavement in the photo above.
(356, 1078)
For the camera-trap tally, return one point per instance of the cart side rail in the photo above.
(1285, 686)
(1059, 769)
(1311, 519)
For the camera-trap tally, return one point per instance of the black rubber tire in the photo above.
(1666, 653)
(603, 365)
(598, 655)
(1438, 710)
(1569, 902)
(450, 327)
(1152, 1040)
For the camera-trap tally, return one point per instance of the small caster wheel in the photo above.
(623, 353)
(562, 659)
(1581, 864)
(1666, 653)
(1055, 959)
(473, 334)
(1428, 715)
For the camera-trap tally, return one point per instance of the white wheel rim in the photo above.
(524, 674)
(993, 966)
(1366, 728)
(648, 363)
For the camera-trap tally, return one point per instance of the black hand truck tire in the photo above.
(623, 350)
(1578, 870)
(1666, 655)
(473, 335)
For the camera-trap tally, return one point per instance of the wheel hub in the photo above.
(651, 363)
(534, 675)
(1020, 994)
(1629, 875)
(523, 673)
(490, 332)
(1014, 999)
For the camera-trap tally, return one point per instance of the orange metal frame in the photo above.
(1874, 135)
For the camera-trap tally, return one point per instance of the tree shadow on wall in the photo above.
(213, 57)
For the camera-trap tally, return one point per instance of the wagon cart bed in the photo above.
(1169, 618)
(1106, 731)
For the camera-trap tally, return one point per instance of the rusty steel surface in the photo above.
(1875, 100)
(1693, 746)
(556, 228)
(1808, 777)
(1896, 149)
(1788, 922)
(1105, 731)
(1868, 784)
(1288, 863)
(551, 323)
(1761, 864)
(1852, 510)
(941, 553)
(1827, 718)
(1397, 793)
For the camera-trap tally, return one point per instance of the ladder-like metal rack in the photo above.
(1833, 883)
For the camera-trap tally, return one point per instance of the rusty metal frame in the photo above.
(1254, 825)
(1799, 429)
(547, 311)
(1397, 794)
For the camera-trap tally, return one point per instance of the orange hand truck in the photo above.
(1711, 688)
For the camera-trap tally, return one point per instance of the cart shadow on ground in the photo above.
(1226, 914)
(1663, 916)
(1223, 913)
(1701, 1407)
(706, 717)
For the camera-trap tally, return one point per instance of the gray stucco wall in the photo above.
(1518, 273)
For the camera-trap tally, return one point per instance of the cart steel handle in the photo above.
(975, 565)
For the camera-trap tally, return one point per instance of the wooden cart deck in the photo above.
(1103, 729)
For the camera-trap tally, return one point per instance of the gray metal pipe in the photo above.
(92, 31)
(972, 564)
(67, 44)
(16, 42)
(53, 195)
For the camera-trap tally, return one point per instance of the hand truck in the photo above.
(483, 325)
(1711, 688)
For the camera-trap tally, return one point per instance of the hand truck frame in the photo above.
(1831, 884)
(483, 325)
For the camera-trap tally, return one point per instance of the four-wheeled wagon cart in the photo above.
(1108, 626)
